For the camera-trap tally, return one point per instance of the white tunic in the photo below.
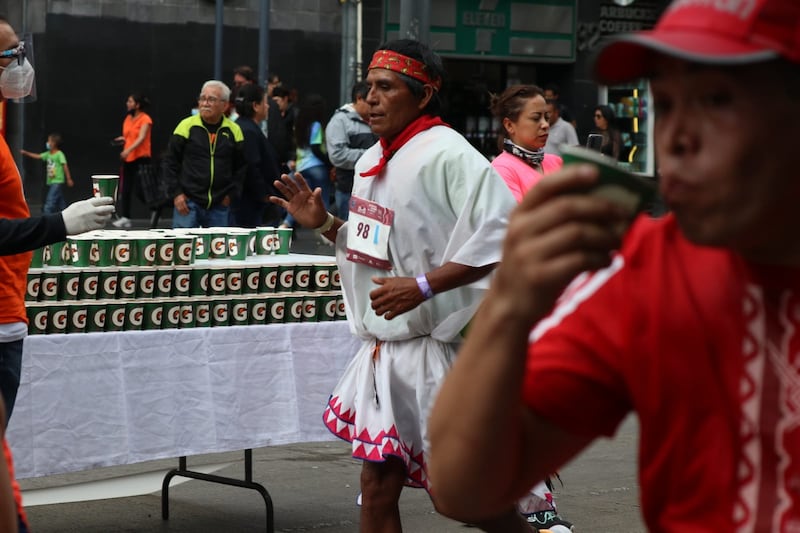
(449, 206)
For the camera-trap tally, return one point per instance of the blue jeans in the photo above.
(342, 203)
(10, 370)
(316, 177)
(54, 203)
(199, 216)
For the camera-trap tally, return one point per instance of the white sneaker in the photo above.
(122, 222)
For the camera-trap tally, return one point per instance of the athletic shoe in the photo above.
(549, 520)
(122, 222)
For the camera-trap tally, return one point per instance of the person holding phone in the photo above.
(522, 111)
(604, 119)
(690, 321)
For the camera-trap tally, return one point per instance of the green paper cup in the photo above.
(218, 247)
(285, 278)
(276, 309)
(165, 250)
(239, 314)
(341, 313)
(184, 250)
(303, 278)
(69, 283)
(146, 287)
(336, 279)
(202, 313)
(147, 247)
(59, 254)
(134, 316)
(217, 281)
(48, 286)
(181, 281)
(219, 312)
(107, 283)
(90, 281)
(171, 317)
(237, 245)
(33, 284)
(116, 313)
(57, 319)
(326, 308)
(127, 283)
(283, 240)
(80, 249)
(105, 185)
(251, 280)
(76, 318)
(265, 240)
(153, 313)
(123, 251)
(310, 307)
(103, 251)
(199, 281)
(294, 308)
(202, 244)
(95, 317)
(269, 279)
(37, 260)
(37, 318)
(187, 314)
(258, 310)
(233, 280)
(163, 288)
(322, 276)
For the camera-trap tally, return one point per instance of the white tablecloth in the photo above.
(103, 399)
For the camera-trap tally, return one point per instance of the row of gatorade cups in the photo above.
(205, 278)
(182, 313)
(162, 247)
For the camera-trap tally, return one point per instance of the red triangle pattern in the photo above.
(376, 449)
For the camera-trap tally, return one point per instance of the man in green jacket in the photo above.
(204, 167)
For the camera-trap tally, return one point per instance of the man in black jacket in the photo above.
(205, 165)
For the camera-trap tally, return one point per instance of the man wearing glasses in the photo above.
(205, 166)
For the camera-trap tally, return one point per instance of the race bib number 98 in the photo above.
(368, 228)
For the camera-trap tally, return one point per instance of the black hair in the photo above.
(246, 96)
(359, 90)
(608, 114)
(553, 87)
(246, 72)
(311, 110)
(140, 98)
(57, 139)
(280, 91)
(433, 65)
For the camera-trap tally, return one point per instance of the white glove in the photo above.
(88, 214)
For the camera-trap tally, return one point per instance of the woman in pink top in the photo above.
(522, 111)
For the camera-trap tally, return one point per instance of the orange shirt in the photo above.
(130, 131)
(13, 268)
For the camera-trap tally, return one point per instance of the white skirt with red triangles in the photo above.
(382, 403)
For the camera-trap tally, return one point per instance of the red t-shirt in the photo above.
(706, 350)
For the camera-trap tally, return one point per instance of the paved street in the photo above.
(314, 487)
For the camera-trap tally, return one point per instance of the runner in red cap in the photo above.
(691, 321)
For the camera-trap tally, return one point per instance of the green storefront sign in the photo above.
(533, 30)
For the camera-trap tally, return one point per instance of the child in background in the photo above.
(57, 174)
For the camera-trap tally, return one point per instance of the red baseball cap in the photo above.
(731, 32)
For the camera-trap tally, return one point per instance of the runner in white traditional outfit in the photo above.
(427, 218)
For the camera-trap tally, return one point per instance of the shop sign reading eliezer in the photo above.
(522, 30)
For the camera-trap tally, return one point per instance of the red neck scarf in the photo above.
(421, 123)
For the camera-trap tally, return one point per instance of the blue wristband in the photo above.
(424, 286)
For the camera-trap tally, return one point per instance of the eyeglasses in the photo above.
(210, 99)
(17, 52)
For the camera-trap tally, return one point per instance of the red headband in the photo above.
(391, 60)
